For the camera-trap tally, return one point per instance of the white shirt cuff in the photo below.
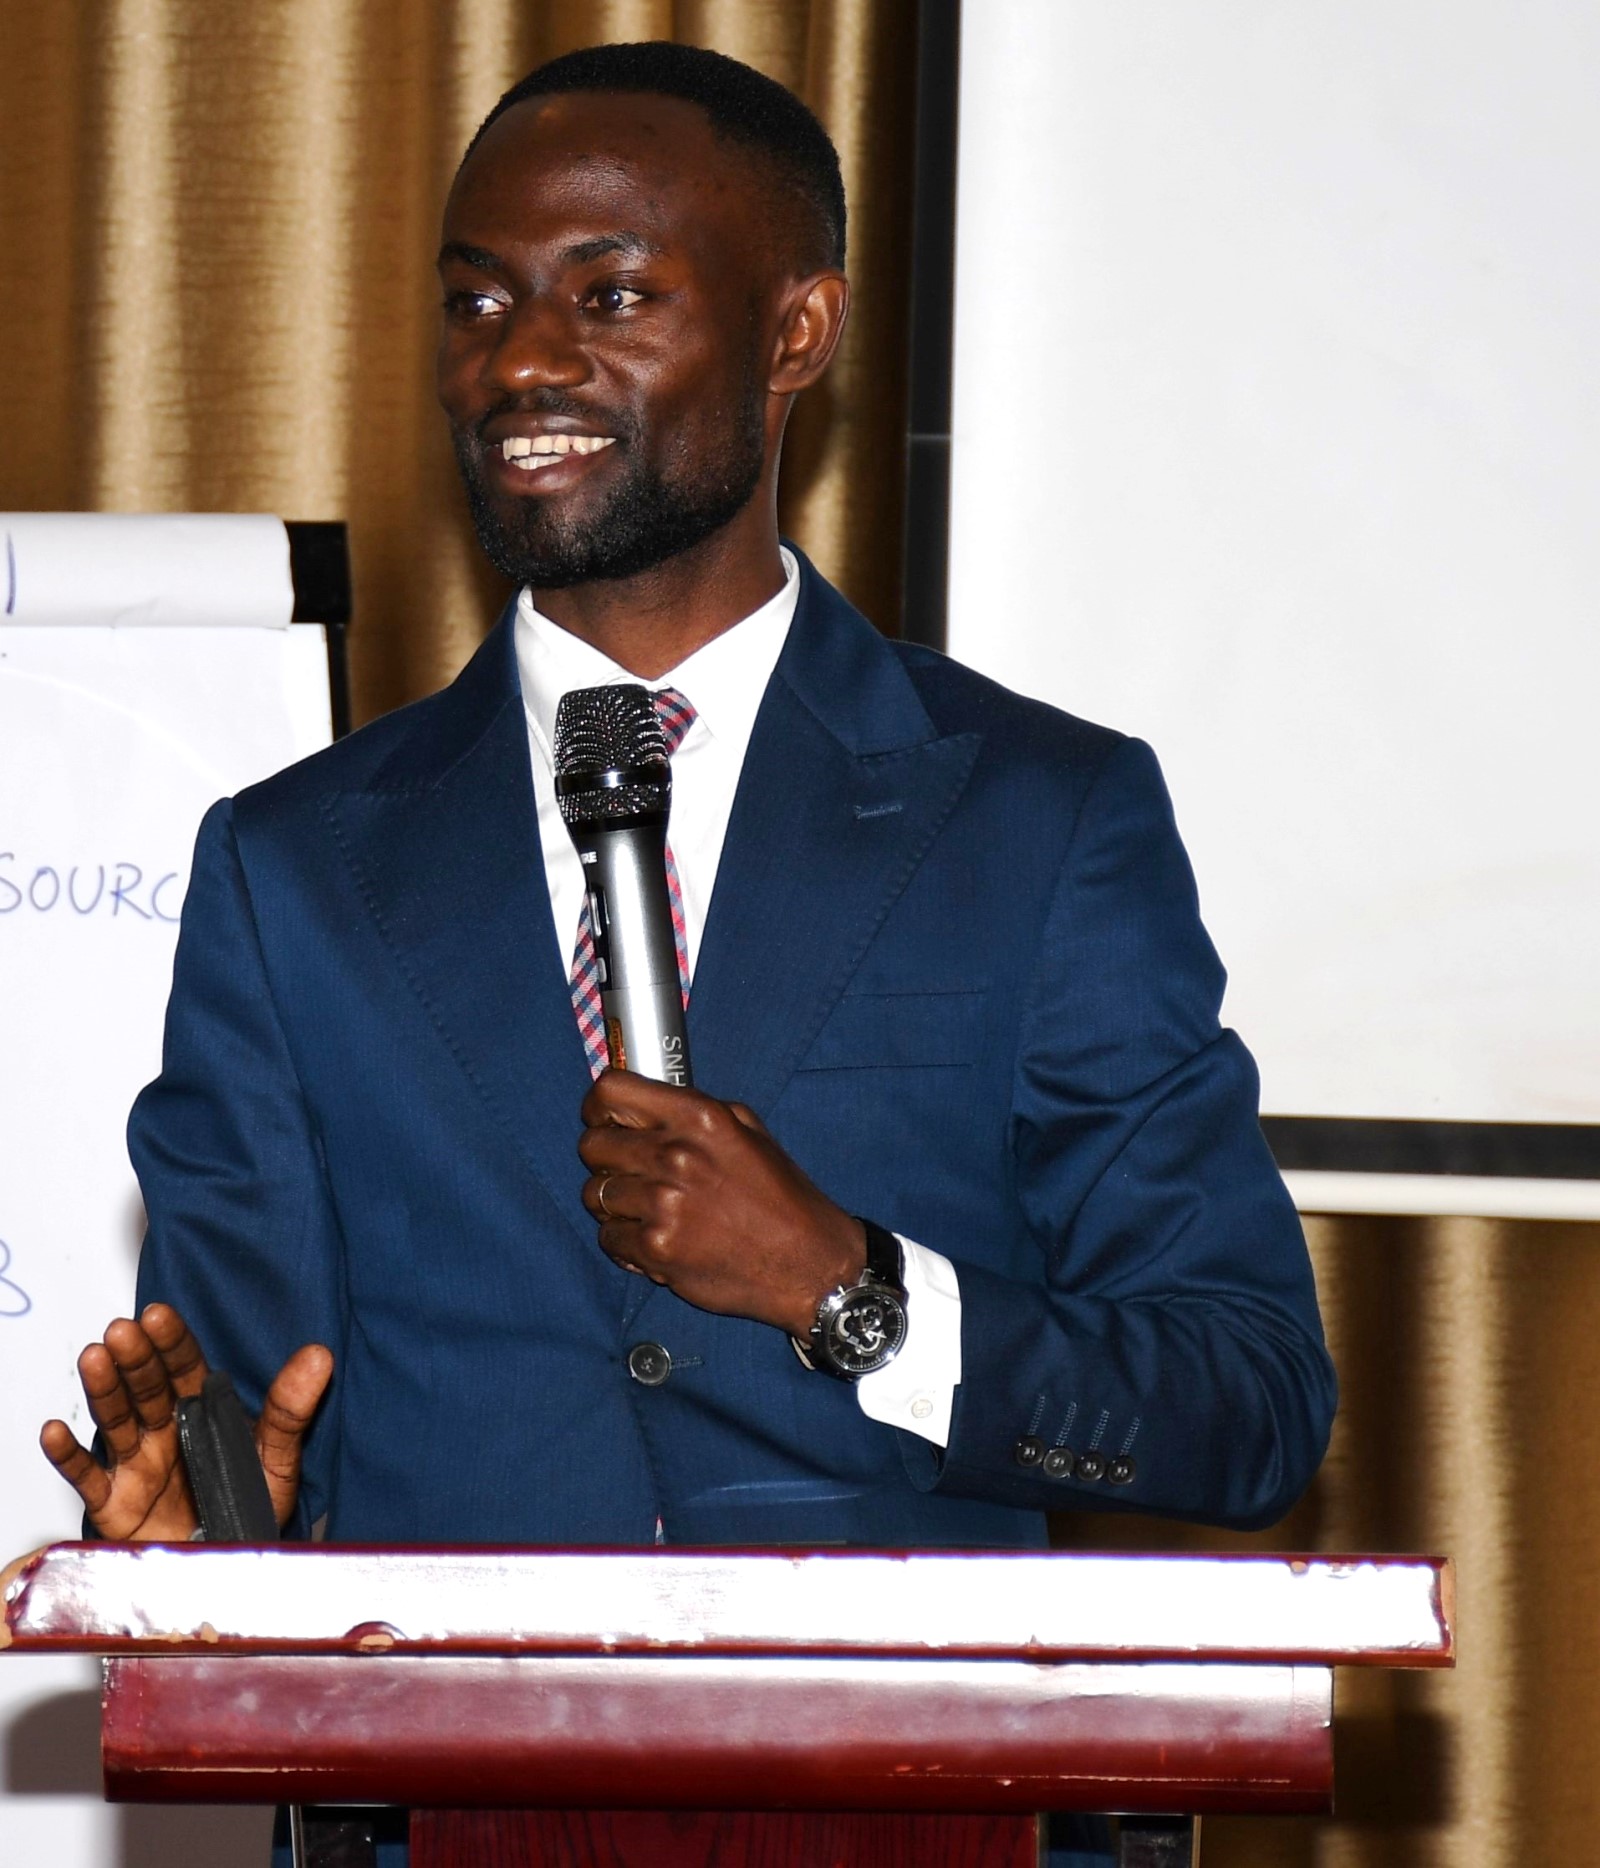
(917, 1389)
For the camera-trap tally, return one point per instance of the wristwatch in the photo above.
(861, 1327)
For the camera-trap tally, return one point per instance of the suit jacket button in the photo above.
(1029, 1450)
(1091, 1466)
(1121, 1470)
(649, 1363)
(1058, 1463)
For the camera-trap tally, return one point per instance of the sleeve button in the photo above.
(1058, 1463)
(1121, 1470)
(1029, 1450)
(1091, 1466)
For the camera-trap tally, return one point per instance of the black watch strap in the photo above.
(885, 1260)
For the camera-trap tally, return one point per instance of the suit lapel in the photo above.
(845, 785)
(445, 845)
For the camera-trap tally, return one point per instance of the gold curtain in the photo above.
(217, 219)
(216, 273)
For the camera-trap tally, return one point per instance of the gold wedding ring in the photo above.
(600, 1196)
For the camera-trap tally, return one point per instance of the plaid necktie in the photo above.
(676, 716)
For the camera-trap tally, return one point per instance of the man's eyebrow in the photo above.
(477, 256)
(601, 247)
(580, 253)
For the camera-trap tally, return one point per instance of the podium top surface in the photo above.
(311, 1599)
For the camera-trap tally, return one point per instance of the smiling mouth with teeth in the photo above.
(531, 452)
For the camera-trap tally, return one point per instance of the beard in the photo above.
(649, 515)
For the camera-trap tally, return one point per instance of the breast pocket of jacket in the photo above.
(899, 1031)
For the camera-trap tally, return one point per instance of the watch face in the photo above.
(866, 1331)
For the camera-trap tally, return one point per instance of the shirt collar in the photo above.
(723, 680)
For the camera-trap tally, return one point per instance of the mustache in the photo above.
(556, 402)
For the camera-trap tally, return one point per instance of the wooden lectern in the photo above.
(646, 1709)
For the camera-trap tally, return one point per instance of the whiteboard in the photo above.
(113, 743)
(1275, 442)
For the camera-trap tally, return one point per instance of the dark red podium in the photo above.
(671, 1706)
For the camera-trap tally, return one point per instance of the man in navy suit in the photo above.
(953, 1013)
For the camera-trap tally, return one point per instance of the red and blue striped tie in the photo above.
(676, 717)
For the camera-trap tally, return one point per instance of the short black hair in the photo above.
(745, 107)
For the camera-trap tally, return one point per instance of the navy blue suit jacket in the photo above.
(953, 959)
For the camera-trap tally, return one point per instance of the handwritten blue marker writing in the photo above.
(115, 890)
(14, 1301)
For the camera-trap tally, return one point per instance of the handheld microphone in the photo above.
(614, 787)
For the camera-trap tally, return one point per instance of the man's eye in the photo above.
(469, 305)
(613, 297)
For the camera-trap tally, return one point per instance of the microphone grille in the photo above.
(603, 737)
(601, 729)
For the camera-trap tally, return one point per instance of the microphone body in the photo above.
(614, 786)
(625, 874)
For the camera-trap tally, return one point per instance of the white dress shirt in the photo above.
(724, 682)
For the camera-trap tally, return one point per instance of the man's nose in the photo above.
(539, 346)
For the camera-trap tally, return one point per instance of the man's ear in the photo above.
(813, 320)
